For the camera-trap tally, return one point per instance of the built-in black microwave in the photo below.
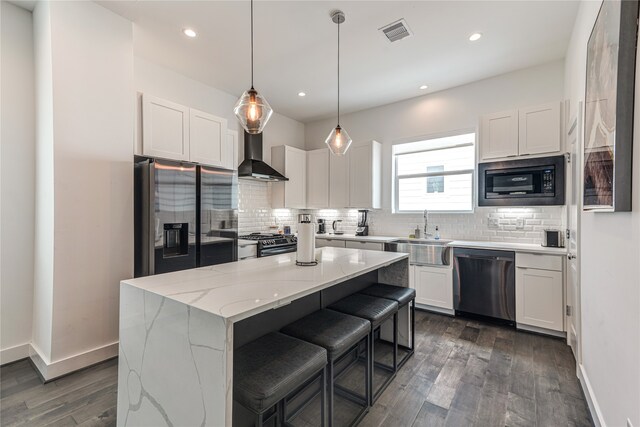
(528, 182)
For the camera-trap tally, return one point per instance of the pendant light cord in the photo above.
(251, 44)
(338, 72)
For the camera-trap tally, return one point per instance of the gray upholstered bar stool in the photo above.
(273, 369)
(377, 311)
(404, 297)
(341, 335)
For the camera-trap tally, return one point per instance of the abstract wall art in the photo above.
(609, 99)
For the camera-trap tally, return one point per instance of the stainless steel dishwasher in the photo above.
(484, 283)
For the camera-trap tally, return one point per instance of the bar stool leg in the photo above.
(329, 380)
(395, 342)
(371, 360)
(280, 416)
(413, 325)
(323, 382)
(368, 374)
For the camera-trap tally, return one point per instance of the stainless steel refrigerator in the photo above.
(186, 216)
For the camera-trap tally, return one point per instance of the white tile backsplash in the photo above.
(254, 209)
(463, 226)
(255, 215)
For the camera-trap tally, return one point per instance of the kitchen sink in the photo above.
(422, 251)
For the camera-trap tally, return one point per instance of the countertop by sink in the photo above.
(516, 247)
(508, 246)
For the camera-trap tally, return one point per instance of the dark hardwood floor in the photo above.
(463, 373)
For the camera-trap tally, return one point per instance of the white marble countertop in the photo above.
(237, 290)
(373, 239)
(516, 247)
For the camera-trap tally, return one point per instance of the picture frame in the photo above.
(609, 108)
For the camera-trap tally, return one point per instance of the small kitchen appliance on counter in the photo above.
(322, 226)
(553, 239)
(363, 227)
(306, 251)
(337, 227)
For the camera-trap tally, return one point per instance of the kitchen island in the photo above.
(178, 330)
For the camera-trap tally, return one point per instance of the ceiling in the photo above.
(295, 44)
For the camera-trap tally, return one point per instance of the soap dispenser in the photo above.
(437, 235)
(416, 232)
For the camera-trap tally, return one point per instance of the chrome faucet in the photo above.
(426, 224)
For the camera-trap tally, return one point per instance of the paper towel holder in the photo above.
(306, 219)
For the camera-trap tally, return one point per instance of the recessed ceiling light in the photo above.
(301, 94)
(475, 36)
(423, 87)
(189, 32)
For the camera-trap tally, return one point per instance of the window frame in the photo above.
(396, 178)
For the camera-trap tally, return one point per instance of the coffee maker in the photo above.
(363, 227)
(321, 226)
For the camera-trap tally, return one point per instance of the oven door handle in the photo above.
(276, 251)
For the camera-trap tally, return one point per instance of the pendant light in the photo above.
(338, 140)
(252, 109)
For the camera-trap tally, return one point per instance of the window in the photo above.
(435, 174)
(435, 184)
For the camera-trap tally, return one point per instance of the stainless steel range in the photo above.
(273, 244)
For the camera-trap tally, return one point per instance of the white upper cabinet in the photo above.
(292, 163)
(338, 181)
(165, 129)
(230, 150)
(318, 178)
(208, 135)
(539, 129)
(499, 135)
(364, 176)
(528, 131)
(173, 131)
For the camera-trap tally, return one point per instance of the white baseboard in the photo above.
(12, 354)
(596, 414)
(539, 330)
(52, 370)
(435, 309)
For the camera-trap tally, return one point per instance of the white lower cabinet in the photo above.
(333, 243)
(539, 292)
(371, 246)
(433, 285)
(247, 251)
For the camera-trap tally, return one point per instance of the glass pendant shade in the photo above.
(253, 111)
(338, 141)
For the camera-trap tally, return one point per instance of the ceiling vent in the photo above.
(397, 30)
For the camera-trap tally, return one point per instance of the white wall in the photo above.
(44, 194)
(455, 109)
(165, 83)
(610, 271)
(87, 142)
(17, 180)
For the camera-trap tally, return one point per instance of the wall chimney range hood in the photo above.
(252, 167)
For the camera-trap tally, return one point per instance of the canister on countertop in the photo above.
(306, 248)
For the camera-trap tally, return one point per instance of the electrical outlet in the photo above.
(520, 223)
(493, 222)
